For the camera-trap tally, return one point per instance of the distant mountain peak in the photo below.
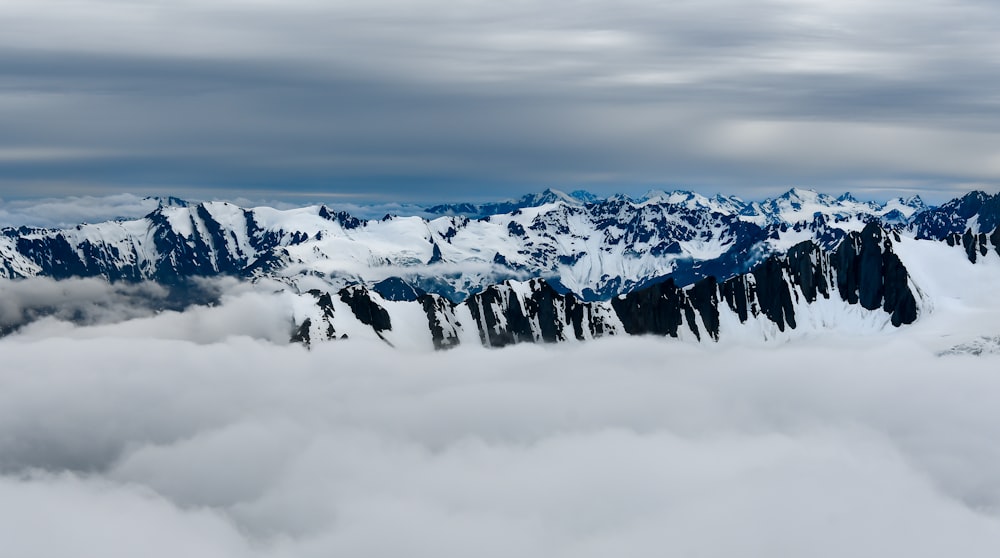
(168, 201)
(546, 196)
(806, 194)
(585, 196)
(549, 195)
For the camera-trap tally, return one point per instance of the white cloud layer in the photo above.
(73, 210)
(621, 447)
(83, 301)
(208, 310)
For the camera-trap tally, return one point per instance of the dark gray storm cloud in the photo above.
(433, 100)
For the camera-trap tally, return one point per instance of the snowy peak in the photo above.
(548, 196)
(797, 205)
(167, 201)
(914, 201)
(799, 195)
(912, 204)
(976, 211)
(584, 196)
(693, 201)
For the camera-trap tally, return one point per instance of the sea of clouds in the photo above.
(202, 432)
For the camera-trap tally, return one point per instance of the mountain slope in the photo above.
(804, 289)
(597, 251)
(562, 270)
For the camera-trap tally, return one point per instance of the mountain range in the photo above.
(546, 267)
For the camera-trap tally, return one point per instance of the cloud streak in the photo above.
(430, 101)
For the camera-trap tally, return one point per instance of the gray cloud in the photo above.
(431, 101)
(205, 310)
(245, 448)
(83, 301)
(73, 210)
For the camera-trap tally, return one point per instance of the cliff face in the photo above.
(870, 274)
(863, 270)
(535, 312)
(971, 221)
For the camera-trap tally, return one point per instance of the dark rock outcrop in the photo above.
(397, 289)
(505, 315)
(976, 245)
(658, 310)
(366, 310)
(440, 320)
(301, 333)
(773, 294)
(870, 274)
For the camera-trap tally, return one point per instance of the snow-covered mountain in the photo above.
(595, 249)
(798, 205)
(977, 212)
(475, 211)
(794, 206)
(862, 284)
(558, 267)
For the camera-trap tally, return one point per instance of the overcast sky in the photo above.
(431, 100)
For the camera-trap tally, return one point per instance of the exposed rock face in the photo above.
(441, 320)
(971, 221)
(366, 310)
(863, 269)
(956, 216)
(301, 333)
(505, 315)
(773, 294)
(395, 288)
(869, 273)
(976, 245)
(658, 310)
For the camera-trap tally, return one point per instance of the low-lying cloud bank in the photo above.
(205, 310)
(73, 210)
(627, 447)
(81, 301)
